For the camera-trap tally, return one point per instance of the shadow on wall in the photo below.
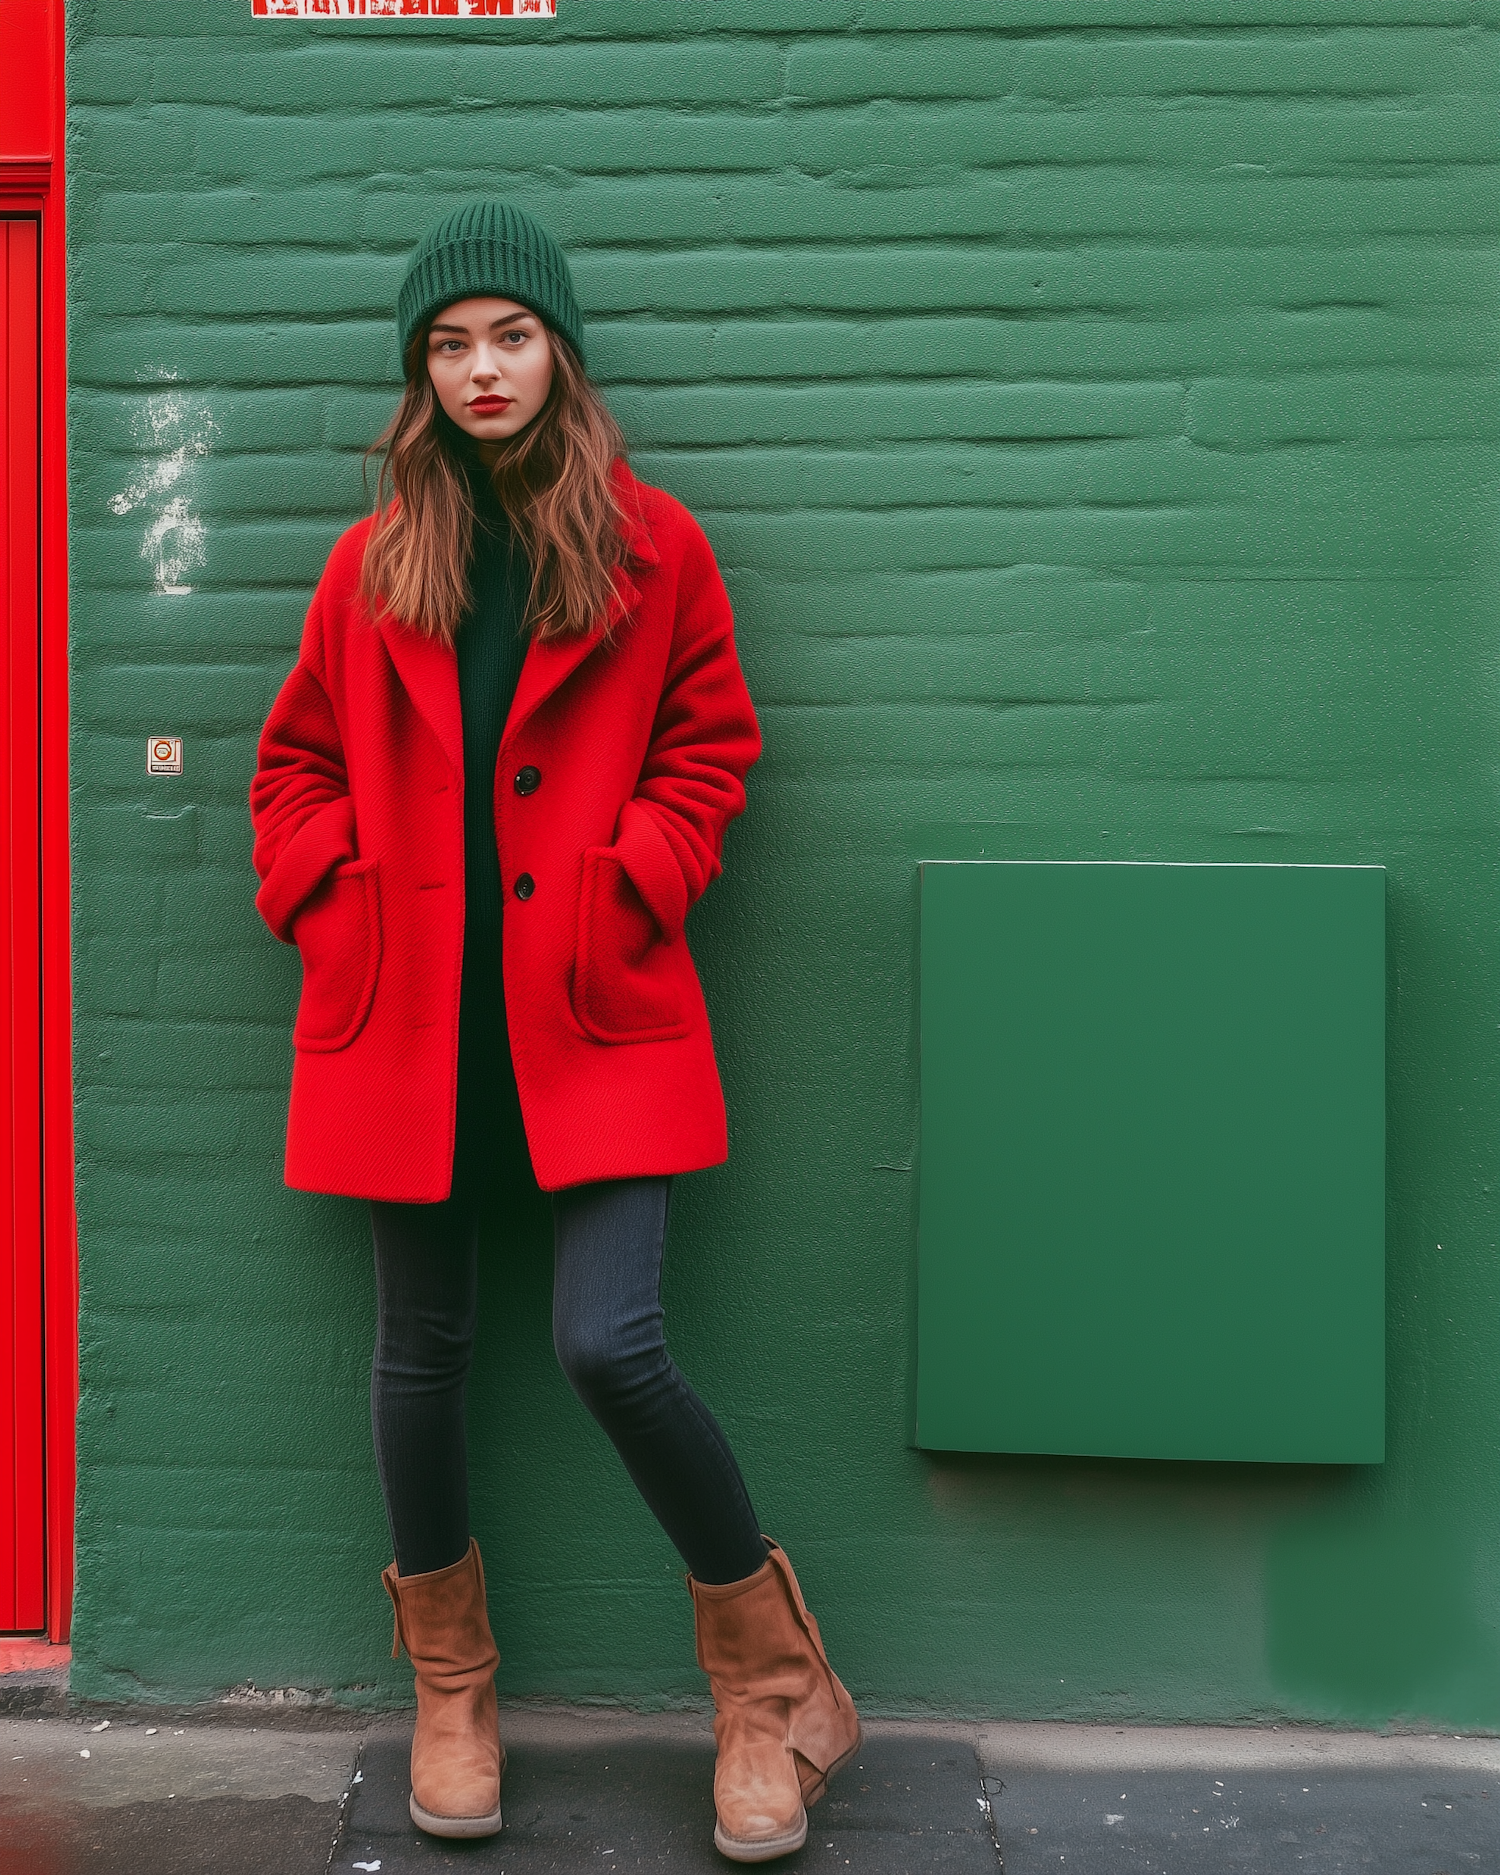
(1350, 1617)
(1377, 1624)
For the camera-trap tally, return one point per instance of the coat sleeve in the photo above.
(703, 743)
(300, 806)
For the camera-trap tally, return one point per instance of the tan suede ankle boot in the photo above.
(456, 1756)
(784, 1724)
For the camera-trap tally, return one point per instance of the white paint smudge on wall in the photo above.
(174, 432)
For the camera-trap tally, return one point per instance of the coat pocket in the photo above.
(626, 981)
(338, 934)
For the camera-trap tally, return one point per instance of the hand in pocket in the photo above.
(338, 934)
(626, 985)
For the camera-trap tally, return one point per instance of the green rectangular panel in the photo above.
(1153, 1161)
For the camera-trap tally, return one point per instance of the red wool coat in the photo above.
(637, 745)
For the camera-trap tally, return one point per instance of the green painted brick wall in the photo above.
(1094, 409)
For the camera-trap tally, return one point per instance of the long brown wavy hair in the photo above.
(553, 480)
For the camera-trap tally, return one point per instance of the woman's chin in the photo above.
(492, 429)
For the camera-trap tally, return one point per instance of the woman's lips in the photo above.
(489, 406)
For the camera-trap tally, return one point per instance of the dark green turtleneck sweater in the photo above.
(491, 650)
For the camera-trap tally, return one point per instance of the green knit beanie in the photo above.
(489, 248)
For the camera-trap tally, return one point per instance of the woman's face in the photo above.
(490, 362)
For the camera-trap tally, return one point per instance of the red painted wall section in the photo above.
(28, 32)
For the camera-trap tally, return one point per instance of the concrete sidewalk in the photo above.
(271, 1790)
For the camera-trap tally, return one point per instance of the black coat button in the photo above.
(529, 780)
(525, 885)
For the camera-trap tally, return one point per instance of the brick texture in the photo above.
(1094, 409)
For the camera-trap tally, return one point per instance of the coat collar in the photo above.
(429, 670)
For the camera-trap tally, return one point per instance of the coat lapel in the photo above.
(549, 663)
(429, 672)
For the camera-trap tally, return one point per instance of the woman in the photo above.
(489, 791)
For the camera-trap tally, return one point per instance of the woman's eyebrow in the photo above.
(439, 325)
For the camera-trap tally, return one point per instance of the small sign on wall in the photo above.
(164, 755)
(402, 9)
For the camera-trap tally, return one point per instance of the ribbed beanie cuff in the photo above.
(489, 248)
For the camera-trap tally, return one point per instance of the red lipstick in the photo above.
(489, 406)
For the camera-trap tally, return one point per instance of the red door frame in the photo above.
(23, 1419)
(33, 108)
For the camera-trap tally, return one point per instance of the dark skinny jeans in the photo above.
(607, 1329)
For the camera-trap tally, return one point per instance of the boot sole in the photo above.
(460, 1827)
(766, 1850)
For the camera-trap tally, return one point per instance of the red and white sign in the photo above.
(164, 755)
(403, 9)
